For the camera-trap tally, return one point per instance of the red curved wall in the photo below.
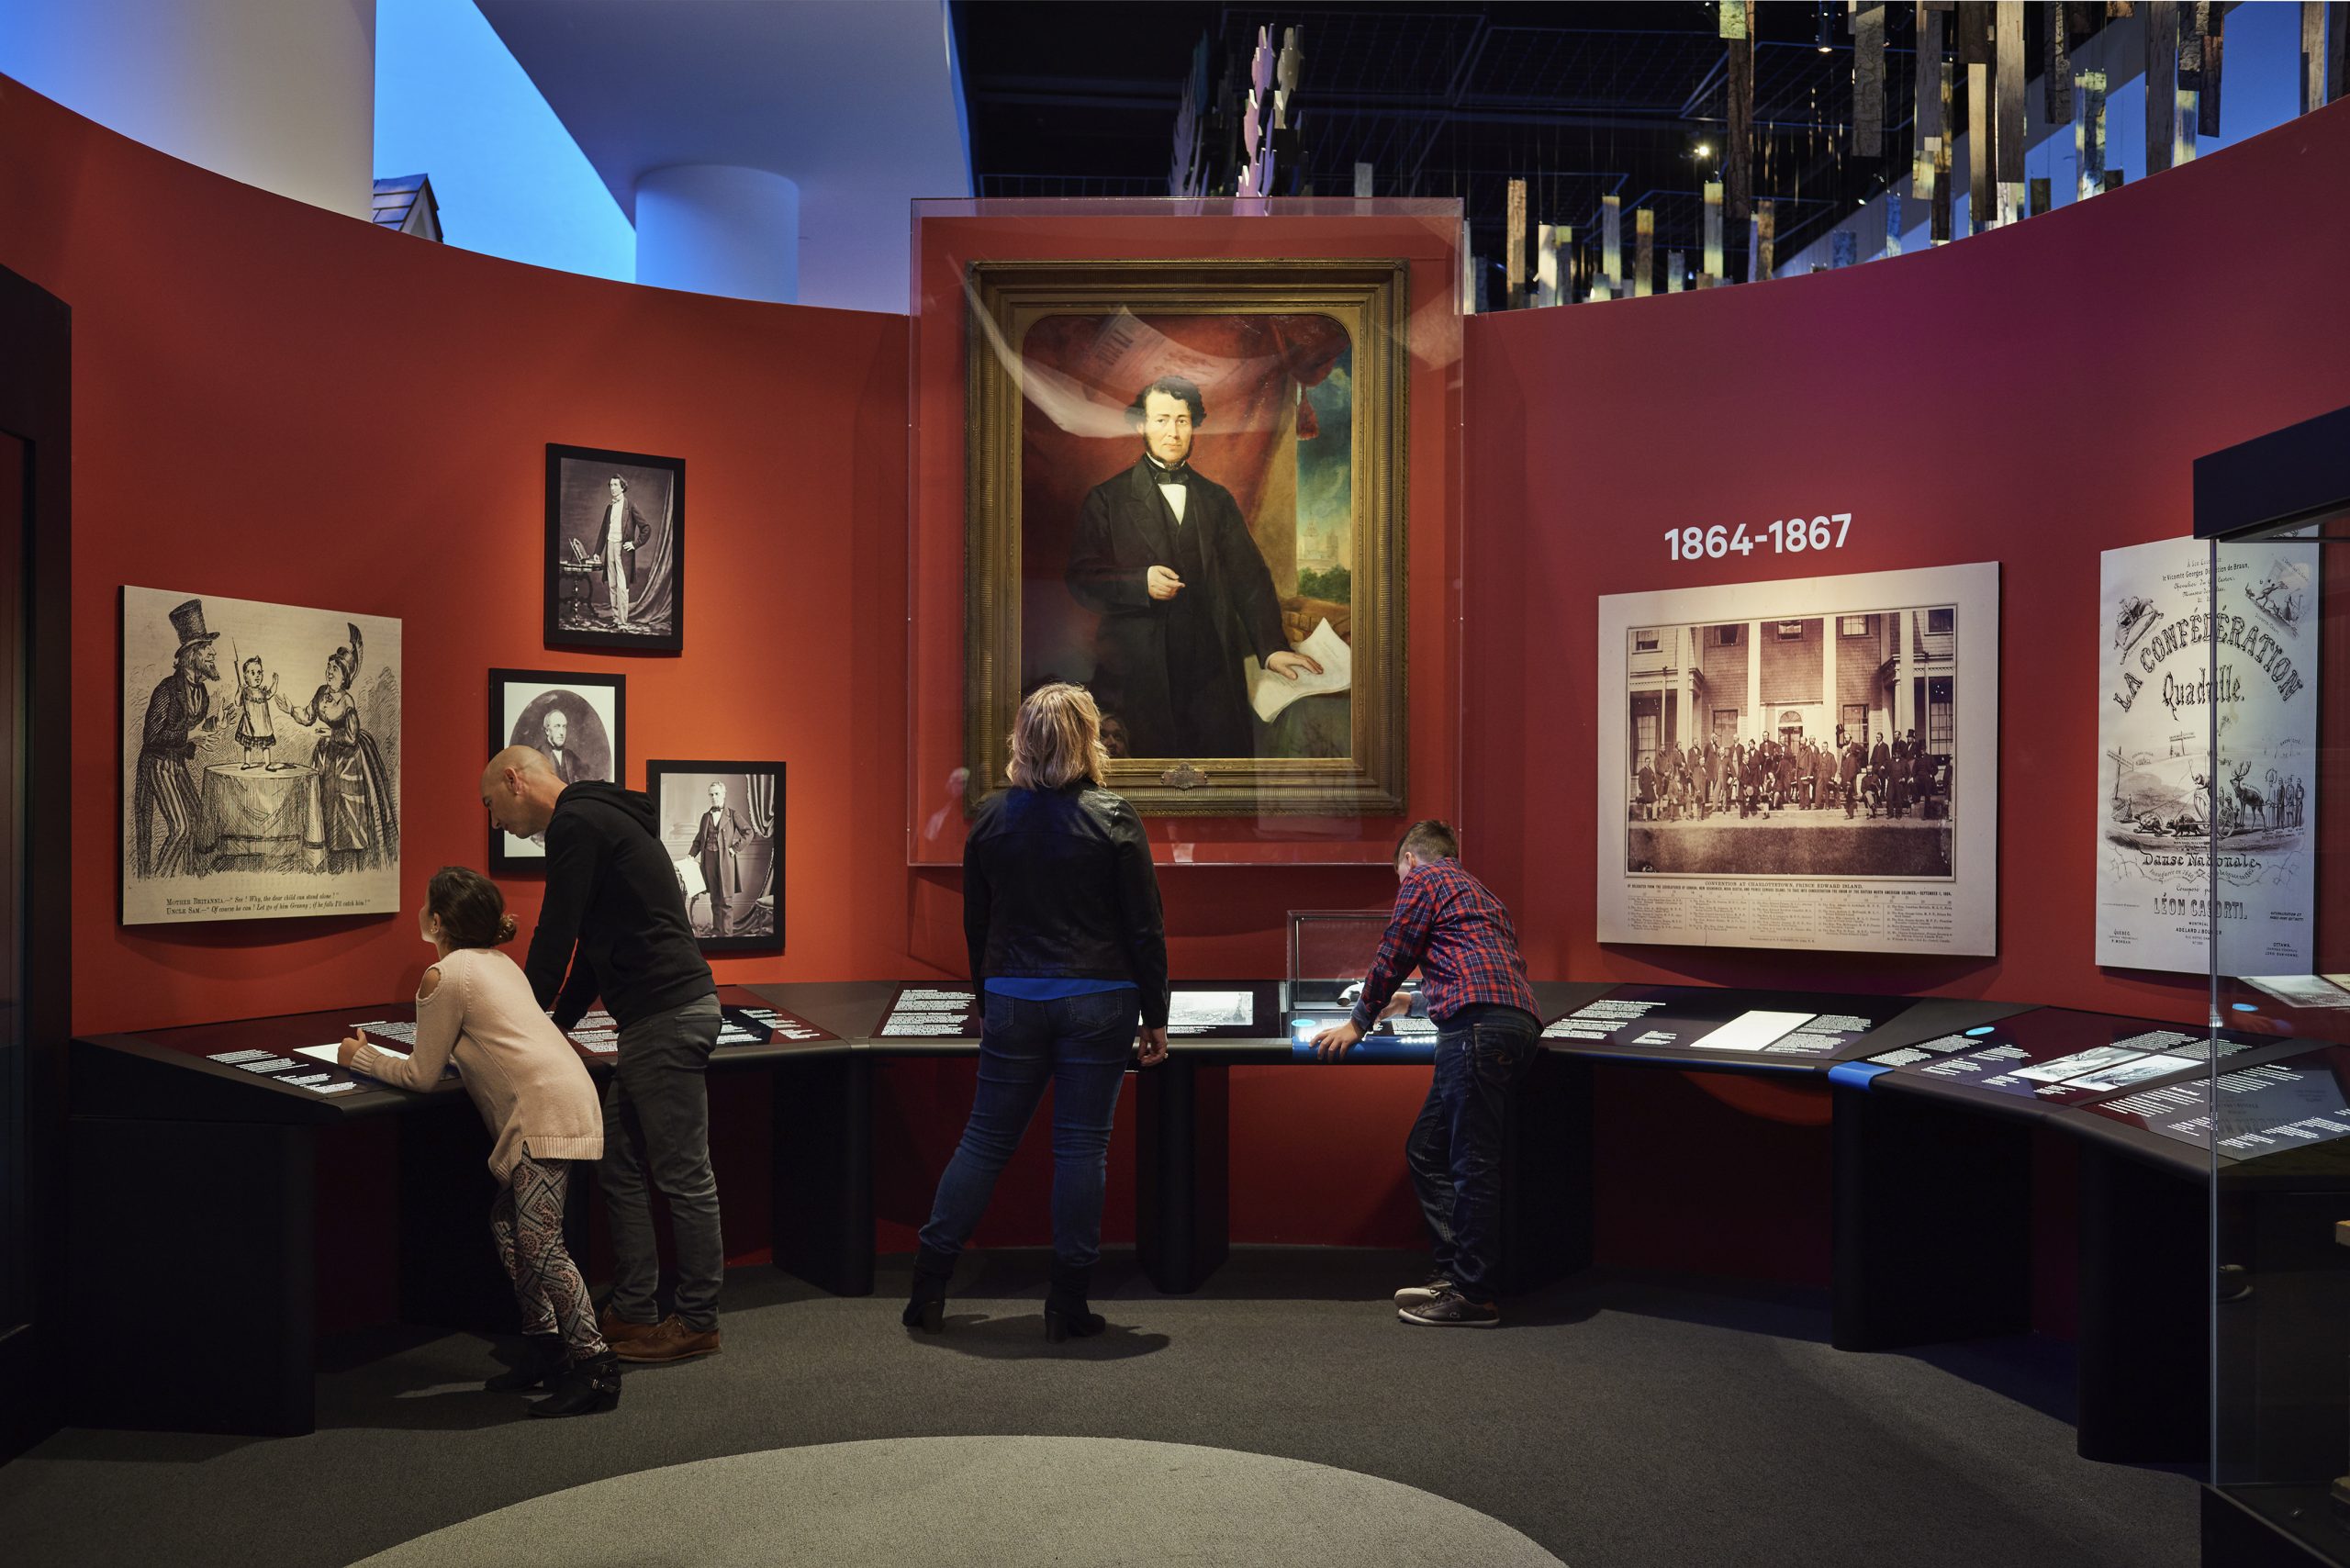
(277, 403)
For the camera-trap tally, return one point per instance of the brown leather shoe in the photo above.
(667, 1340)
(617, 1330)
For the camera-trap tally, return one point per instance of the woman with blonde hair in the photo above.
(1060, 911)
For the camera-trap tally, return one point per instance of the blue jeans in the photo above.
(1079, 1045)
(1455, 1146)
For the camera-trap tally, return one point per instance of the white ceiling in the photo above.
(856, 100)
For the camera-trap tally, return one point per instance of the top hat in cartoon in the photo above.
(188, 621)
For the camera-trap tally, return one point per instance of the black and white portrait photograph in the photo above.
(578, 722)
(1802, 764)
(616, 542)
(723, 823)
(261, 760)
(1795, 745)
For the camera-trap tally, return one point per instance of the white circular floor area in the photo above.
(1002, 1502)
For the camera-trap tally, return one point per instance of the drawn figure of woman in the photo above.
(256, 731)
(361, 820)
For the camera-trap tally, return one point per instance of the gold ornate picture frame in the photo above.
(1286, 353)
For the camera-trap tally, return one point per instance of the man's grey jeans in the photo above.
(656, 1120)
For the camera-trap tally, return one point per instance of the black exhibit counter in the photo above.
(1935, 1103)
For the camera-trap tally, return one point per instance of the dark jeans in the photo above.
(1455, 1147)
(1079, 1045)
(656, 1120)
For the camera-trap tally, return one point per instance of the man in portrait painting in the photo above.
(718, 847)
(621, 531)
(553, 740)
(1163, 556)
(179, 709)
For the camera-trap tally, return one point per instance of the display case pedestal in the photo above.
(1183, 1151)
(1932, 1223)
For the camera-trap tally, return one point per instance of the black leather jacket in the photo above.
(1057, 884)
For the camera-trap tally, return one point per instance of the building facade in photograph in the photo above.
(1871, 677)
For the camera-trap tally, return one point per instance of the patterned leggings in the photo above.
(527, 1223)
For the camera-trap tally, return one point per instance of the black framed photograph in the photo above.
(616, 550)
(723, 825)
(578, 722)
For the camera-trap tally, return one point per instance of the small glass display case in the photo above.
(2263, 752)
(1330, 952)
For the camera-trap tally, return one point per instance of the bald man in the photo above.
(614, 924)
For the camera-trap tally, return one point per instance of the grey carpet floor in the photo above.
(1617, 1422)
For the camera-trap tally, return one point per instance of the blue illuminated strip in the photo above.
(1856, 1074)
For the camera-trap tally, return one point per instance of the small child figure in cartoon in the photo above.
(255, 731)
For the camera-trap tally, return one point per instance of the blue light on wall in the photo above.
(451, 103)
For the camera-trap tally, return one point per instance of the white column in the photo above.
(1828, 681)
(1754, 681)
(1904, 695)
(1692, 726)
(719, 228)
(279, 95)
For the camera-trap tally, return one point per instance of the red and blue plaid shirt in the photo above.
(1458, 935)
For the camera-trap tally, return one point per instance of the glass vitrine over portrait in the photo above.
(2240, 803)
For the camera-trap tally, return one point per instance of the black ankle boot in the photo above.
(927, 1308)
(542, 1361)
(584, 1388)
(1066, 1312)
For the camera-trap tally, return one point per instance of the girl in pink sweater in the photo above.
(475, 1006)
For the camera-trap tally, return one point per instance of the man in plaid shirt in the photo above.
(1447, 925)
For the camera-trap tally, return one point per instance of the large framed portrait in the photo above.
(723, 825)
(578, 722)
(616, 550)
(1803, 764)
(261, 760)
(1186, 492)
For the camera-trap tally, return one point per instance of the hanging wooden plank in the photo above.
(1643, 252)
(1868, 81)
(2194, 17)
(1513, 263)
(1928, 119)
(2088, 134)
(2008, 139)
(2337, 52)
(1676, 264)
(1970, 47)
(1733, 18)
(1546, 264)
(1944, 197)
(1739, 161)
(2057, 69)
(1766, 240)
(2161, 83)
(2207, 111)
(1981, 212)
(1611, 243)
(2312, 55)
(2042, 198)
(1567, 269)
(1712, 272)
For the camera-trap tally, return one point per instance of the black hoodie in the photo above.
(612, 893)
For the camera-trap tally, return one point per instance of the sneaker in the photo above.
(617, 1330)
(1420, 1295)
(667, 1340)
(1452, 1310)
